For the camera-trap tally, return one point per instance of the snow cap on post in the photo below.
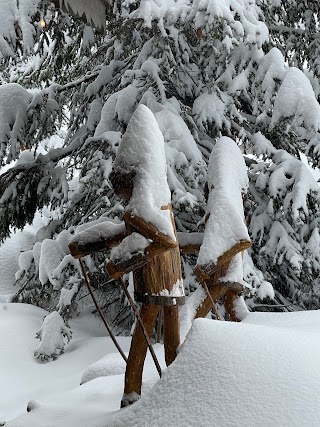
(141, 155)
(226, 233)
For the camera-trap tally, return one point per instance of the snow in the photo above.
(234, 273)
(177, 135)
(271, 68)
(296, 98)
(95, 231)
(24, 378)
(11, 14)
(142, 151)
(227, 181)
(282, 183)
(243, 374)
(263, 371)
(130, 246)
(53, 335)
(176, 291)
(10, 251)
(13, 116)
(50, 258)
(209, 107)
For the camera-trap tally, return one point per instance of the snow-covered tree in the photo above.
(205, 69)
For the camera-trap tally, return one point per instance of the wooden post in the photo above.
(229, 299)
(171, 332)
(137, 354)
(158, 283)
(216, 292)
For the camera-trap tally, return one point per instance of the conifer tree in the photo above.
(205, 69)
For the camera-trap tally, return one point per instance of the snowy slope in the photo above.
(23, 378)
(264, 371)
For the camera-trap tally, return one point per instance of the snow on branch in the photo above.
(296, 99)
(288, 180)
(14, 15)
(288, 90)
(53, 334)
(286, 221)
(14, 104)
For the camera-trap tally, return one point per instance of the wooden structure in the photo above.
(157, 286)
(219, 265)
(149, 247)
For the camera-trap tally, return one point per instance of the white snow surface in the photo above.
(98, 231)
(296, 98)
(264, 371)
(10, 251)
(130, 245)
(234, 272)
(142, 150)
(24, 378)
(227, 181)
(14, 103)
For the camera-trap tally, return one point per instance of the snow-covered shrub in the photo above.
(53, 335)
(285, 223)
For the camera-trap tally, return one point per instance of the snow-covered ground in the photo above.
(23, 378)
(264, 371)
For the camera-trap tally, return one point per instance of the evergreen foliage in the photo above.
(248, 70)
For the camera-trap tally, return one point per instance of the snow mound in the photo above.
(24, 379)
(262, 371)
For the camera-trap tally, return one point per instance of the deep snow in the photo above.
(263, 371)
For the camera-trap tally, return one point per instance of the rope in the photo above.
(87, 280)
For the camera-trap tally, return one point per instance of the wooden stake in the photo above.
(171, 337)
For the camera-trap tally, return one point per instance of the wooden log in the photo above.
(229, 299)
(220, 271)
(138, 350)
(80, 250)
(216, 292)
(119, 267)
(161, 275)
(165, 301)
(206, 272)
(149, 231)
(171, 336)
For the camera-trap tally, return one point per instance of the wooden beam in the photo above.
(207, 273)
(149, 231)
(119, 267)
(137, 354)
(80, 250)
